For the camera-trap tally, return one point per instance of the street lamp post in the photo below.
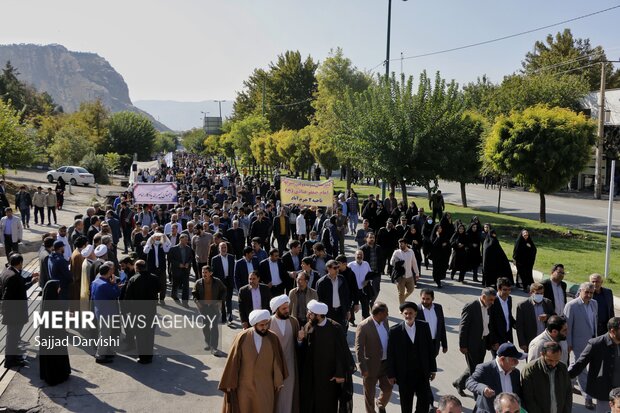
(387, 66)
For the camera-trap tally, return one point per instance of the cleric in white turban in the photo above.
(276, 302)
(317, 307)
(256, 316)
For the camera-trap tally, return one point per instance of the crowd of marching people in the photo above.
(296, 292)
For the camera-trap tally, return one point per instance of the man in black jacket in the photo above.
(273, 274)
(181, 259)
(13, 289)
(501, 321)
(253, 296)
(555, 288)
(601, 354)
(338, 304)
(411, 359)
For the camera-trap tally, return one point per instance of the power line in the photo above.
(291, 104)
(453, 49)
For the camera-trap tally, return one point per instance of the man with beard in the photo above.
(209, 293)
(556, 331)
(375, 256)
(287, 329)
(255, 369)
(328, 362)
(59, 269)
(473, 334)
(532, 314)
(546, 384)
(141, 295)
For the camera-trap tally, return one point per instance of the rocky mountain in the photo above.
(71, 77)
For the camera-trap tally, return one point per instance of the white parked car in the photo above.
(71, 174)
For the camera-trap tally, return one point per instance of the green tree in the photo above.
(294, 149)
(543, 147)
(96, 164)
(131, 133)
(23, 97)
(336, 77)
(396, 133)
(194, 140)
(240, 134)
(165, 142)
(112, 162)
(16, 146)
(462, 160)
(563, 53)
(322, 149)
(287, 89)
(71, 144)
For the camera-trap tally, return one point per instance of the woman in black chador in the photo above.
(459, 245)
(524, 256)
(54, 367)
(495, 264)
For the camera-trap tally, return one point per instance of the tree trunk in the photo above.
(393, 187)
(403, 188)
(463, 195)
(499, 196)
(348, 172)
(543, 207)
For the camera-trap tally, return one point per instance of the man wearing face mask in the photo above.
(602, 356)
(556, 330)
(532, 314)
(546, 384)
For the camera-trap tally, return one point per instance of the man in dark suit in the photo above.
(223, 266)
(532, 314)
(496, 376)
(474, 333)
(292, 258)
(338, 304)
(411, 359)
(375, 256)
(432, 313)
(14, 306)
(253, 296)
(555, 288)
(261, 228)
(599, 355)
(244, 267)
(605, 300)
(181, 259)
(272, 273)
(371, 342)
(501, 321)
(236, 237)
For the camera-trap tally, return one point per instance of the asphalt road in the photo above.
(571, 210)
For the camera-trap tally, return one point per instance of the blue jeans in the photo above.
(353, 219)
(25, 213)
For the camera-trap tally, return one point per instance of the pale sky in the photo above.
(192, 50)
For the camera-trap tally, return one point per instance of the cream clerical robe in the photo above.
(251, 379)
(287, 399)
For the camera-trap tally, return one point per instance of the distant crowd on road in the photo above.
(283, 275)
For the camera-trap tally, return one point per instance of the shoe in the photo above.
(215, 352)
(230, 318)
(176, 299)
(103, 360)
(145, 361)
(589, 404)
(575, 390)
(17, 363)
(458, 388)
(49, 225)
(162, 302)
(379, 407)
(208, 347)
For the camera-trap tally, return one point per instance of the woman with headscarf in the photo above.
(414, 238)
(524, 256)
(440, 254)
(474, 256)
(495, 264)
(54, 366)
(60, 192)
(458, 242)
(427, 235)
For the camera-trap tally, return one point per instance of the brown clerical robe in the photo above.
(76, 261)
(253, 377)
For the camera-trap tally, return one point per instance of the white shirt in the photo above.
(256, 301)
(504, 378)
(506, 311)
(410, 331)
(250, 266)
(431, 318)
(258, 340)
(275, 273)
(168, 228)
(360, 271)
(300, 223)
(225, 264)
(383, 337)
(485, 319)
(558, 298)
(411, 265)
(335, 296)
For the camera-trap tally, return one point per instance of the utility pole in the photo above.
(598, 178)
(264, 86)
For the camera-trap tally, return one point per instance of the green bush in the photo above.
(96, 165)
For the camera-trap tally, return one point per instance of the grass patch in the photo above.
(581, 252)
